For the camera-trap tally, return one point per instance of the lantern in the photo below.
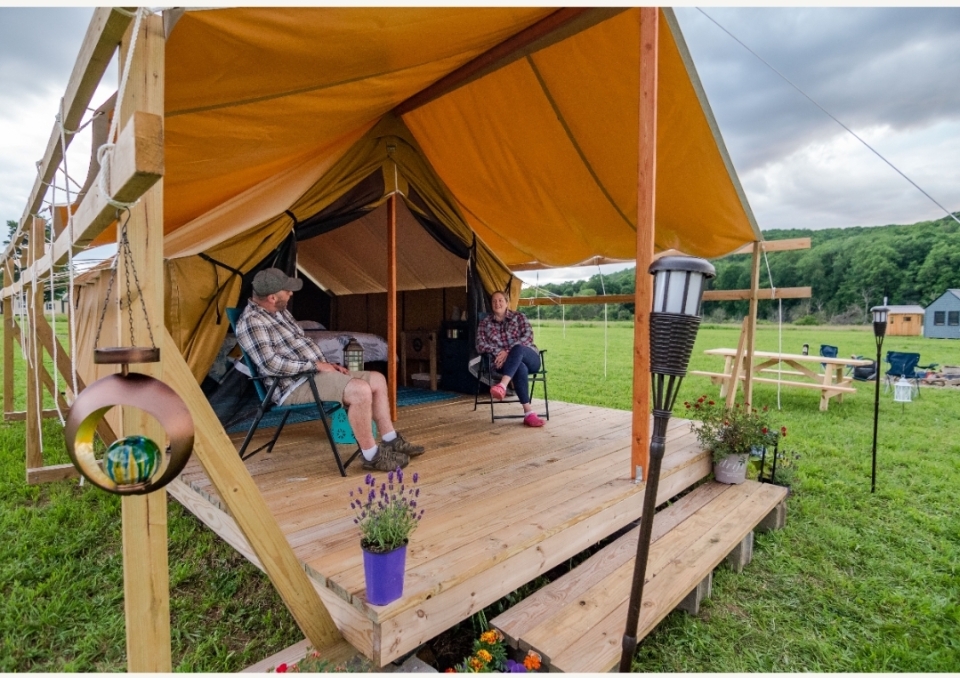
(678, 284)
(903, 391)
(353, 355)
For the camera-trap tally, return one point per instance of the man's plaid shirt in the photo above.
(493, 336)
(277, 346)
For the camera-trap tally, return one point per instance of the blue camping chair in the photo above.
(321, 407)
(905, 365)
(828, 351)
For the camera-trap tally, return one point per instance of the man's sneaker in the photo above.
(386, 459)
(401, 445)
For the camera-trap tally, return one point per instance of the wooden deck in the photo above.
(504, 503)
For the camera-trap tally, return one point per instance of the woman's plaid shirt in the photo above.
(277, 346)
(493, 336)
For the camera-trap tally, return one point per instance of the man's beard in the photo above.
(281, 305)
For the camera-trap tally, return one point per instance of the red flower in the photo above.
(783, 431)
(764, 430)
(450, 671)
(282, 668)
(710, 402)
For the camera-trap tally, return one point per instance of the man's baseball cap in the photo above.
(272, 280)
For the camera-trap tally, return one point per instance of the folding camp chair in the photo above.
(905, 365)
(487, 374)
(324, 408)
(828, 351)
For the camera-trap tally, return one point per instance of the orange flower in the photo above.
(484, 656)
(490, 637)
(475, 663)
(450, 670)
(532, 661)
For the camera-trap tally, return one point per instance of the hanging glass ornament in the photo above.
(133, 464)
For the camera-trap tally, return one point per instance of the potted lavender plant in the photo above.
(387, 514)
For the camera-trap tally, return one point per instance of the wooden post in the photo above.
(733, 381)
(8, 340)
(392, 303)
(146, 578)
(752, 325)
(646, 213)
(33, 298)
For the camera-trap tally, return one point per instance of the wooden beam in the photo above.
(33, 297)
(495, 55)
(99, 44)
(776, 246)
(146, 571)
(392, 303)
(22, 416)
(762, 294)
(245, 504)
(50, 474)
(8, 325)
(646, 224)
(752, 326)
(137, 165)
(45, 379)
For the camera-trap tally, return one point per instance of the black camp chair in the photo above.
(323, 408)
(905, 365)
(487, 374)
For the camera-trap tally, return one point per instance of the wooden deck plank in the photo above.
(484, 534)
(598, 648)
(533, 610)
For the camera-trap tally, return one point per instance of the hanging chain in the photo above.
(129, 270)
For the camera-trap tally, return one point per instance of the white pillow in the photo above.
(310, 325)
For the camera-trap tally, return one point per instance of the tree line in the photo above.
(848, 269)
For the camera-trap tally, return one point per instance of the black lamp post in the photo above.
(677, 291)
(879, 331)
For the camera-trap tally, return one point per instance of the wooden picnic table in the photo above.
(832, 382)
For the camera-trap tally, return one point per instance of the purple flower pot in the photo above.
(384, 575)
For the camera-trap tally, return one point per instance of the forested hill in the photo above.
(849, 269)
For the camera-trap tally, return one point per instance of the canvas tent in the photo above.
(303, 119)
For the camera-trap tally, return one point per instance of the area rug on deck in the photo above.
(236, 404)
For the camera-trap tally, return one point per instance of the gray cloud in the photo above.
(39, 45)
(867, 66)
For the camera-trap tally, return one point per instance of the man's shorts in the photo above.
(330, 385)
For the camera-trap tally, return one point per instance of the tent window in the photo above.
(939, 317)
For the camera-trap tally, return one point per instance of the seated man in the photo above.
(273, 340)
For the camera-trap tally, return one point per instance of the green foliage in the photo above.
(807, 320)
(386, 512)
(849, 269)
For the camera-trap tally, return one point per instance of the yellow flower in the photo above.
(532, 661)
(475, 663)
(484, 656)
(490, 637)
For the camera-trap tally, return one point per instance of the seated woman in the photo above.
(507, 336)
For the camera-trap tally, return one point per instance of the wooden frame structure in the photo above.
(136, 176)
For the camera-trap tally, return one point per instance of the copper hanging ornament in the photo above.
(133, 464)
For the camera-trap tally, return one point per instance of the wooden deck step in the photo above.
(576, 623)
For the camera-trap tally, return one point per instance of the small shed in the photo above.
(905, 321)
(942, 319)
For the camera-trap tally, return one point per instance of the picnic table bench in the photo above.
(576, 622)
(832, 382)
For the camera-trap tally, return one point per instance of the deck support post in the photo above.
(33, 298)
(146, 577)
(392, 303)
(742, 554)
(646, 212)
(702, 591)
(8, 340)
(775, 520)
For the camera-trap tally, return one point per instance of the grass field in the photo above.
(855, 582)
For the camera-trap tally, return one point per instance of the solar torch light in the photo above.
(879, 331)
(678, 284)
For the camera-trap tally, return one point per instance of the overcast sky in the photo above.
(890, 74)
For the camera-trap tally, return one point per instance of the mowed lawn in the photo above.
(855, 582)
